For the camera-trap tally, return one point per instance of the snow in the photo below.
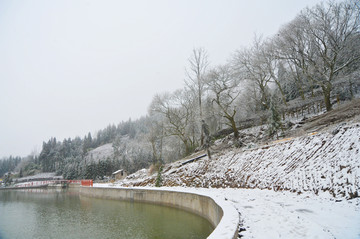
(270, 214)
(317, 162)
(119, 171)
(39, 176)
(300, 187)
(100, 153)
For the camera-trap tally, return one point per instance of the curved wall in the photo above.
(199, 204)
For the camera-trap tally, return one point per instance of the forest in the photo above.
(310, 65)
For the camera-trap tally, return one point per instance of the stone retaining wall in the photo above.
(199, 204)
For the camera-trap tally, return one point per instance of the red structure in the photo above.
(87, 183)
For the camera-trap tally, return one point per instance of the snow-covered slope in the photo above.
(327, 161)
(100, 153)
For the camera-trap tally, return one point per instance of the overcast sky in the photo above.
(72, 67)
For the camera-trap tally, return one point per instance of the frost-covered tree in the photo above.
(195, 79)
(177, 110)
(155, 137)
(322, 42)
(224, 88)
(252, 65)
(9, 164)
(87, 143)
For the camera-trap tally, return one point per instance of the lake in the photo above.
(52, 213)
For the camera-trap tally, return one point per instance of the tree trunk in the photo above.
(187, 146)
(327, 93)
(327, 102)
(351, 89)
(300, 88)
(201, 118)
(153, 146)
(283, 97)
(233, 126)
(264, 100)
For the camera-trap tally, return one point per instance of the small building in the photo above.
(120, 174)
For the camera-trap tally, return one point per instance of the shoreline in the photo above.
(222, 215)
(28, 187)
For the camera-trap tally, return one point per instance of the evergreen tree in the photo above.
(159, 179)
(7, 179)
(274, 121)
(8, 164)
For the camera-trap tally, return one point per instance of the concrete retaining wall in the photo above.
(199, 204)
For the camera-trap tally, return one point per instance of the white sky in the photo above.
(72, 67)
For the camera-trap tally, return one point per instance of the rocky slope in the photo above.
(325, 161)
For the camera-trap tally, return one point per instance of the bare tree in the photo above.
(177, 109)
(322, 42)
(290, 45)
(251, 64)
(355, 3)
(273, 66)
(198, 63)
(155, 137)
(224, 87)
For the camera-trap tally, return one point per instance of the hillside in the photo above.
(100, 153)
(323, 161)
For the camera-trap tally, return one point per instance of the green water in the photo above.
(54, 214)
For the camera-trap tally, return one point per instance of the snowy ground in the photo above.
(304, 186)
(301, 187)
(269, 214)
(316, 162)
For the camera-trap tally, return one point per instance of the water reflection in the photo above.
(41, 213)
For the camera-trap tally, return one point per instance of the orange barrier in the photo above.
(87, 183)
